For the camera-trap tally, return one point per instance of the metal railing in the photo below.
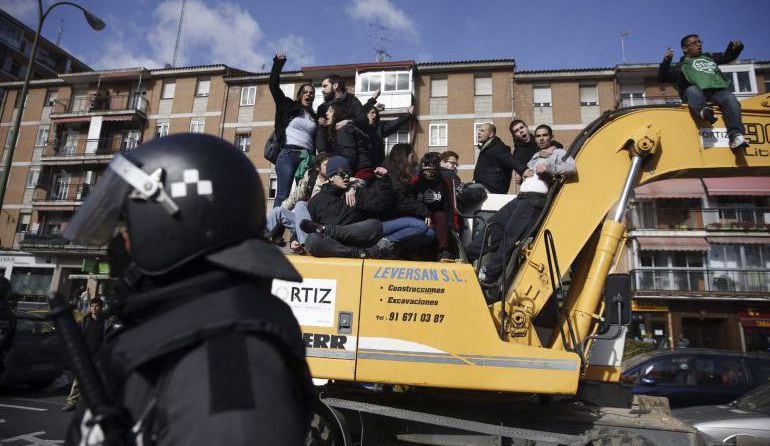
(710, 219)
(86, 147)
(700, 281)
(103, 102)
(53, 242)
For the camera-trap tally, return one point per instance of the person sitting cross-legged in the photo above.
(340, 230)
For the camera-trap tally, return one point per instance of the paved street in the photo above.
(33, 417)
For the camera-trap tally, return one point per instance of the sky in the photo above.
(538, 34)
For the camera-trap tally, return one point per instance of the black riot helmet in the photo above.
(183, 197)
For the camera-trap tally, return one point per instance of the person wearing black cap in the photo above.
(207, 354)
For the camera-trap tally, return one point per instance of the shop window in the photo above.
(31, 284)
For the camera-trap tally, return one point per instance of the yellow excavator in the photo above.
(418, 353)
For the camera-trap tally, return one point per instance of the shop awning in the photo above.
(728, 240)
(672, 244)
(673, 188)
(72, 119)
(738, 186)
(117, 118)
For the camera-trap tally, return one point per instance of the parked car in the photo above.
(696, 377)
(747, 417)
(35, 358)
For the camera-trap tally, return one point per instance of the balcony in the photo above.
(63, 196)
(113, 107)
(708, 219)
(700, 282)
(54, 243)
(82, 150)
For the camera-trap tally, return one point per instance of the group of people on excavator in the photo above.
(354, 199)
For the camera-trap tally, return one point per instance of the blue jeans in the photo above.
(731, 108)
(285, 166)
(289, 219)
(403, 228)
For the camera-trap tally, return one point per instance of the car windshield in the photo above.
(757, 400)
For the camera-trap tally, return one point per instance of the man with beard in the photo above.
(335, 92)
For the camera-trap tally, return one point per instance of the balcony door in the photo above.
(60, 187)
(70, 145)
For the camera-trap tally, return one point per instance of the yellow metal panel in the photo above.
(330, 353)
(427, 324)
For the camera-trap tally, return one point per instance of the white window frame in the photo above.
(248, 95)
(287, 89)
(161, 129)
(203, 88)
(482, 80)
(239, 141)
(169, 90)
(443, 90)
(550, 95)
(33, 176)
(272, 186)
(197, 125)
(396, 138)
(50, 97)
(434, 135)
(364, 81)
(42, 135)
(733, 70)
(588, 103)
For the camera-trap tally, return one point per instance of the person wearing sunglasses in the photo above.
(698, 79)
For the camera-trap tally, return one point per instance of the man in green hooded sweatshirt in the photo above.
(698, 79)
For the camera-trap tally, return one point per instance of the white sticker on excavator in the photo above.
(714, 137)
(311, 300)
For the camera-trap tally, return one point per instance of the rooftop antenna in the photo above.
(377, 38)
(61, 30)
(178, 34)
(623, 36)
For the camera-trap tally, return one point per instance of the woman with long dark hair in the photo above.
(344, 138)
(295, 128)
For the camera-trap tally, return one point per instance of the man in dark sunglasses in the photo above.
(698, 79)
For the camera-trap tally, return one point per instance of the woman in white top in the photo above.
(295, 127)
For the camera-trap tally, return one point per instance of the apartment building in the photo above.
(74, 123)
(15, 48)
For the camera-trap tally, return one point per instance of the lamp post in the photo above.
(95, 22)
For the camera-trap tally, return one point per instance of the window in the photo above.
(243, 141)
(387, 81)
(668, 370)
(272, 187)
(32, 178)
(203, 87)
(50, 97)
(483, 86)
(319, 98)
(370, 82)
(723, 372)
(742, 78)
(196, 125)
(23, 225)
(161, 129)
(542, 96)
(589, 95)
(42, 135)
(248, 95)
(169, 88)
(288, 90)
(396, 81)
(401, 136)
(438, 88)
(437, 135)
(632, 98)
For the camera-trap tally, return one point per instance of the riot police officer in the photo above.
(208, 355)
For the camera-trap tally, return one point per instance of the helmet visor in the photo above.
(96, 220)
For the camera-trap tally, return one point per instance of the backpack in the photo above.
(272, 148)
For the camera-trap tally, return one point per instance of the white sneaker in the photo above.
(738, 142)
(483, 273)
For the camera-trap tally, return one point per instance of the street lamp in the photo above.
(95, 22)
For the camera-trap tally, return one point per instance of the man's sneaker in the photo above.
(311, 227)
(737, 141)
(483, 273)
(372, 252)
(707, 114)
(68, 407)
(445, 254)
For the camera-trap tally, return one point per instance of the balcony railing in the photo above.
(90, 147)
(393, 101)
(53, 242)
(701, 281)
(98, 103)
(709, 219)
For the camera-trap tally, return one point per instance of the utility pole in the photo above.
(178, 34)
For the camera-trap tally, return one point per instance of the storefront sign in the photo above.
(640, 306)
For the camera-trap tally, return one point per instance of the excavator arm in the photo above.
(619, 151)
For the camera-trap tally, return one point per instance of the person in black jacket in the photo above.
(379, 129)
(7, 320)
(210, 352)
(698, 79)
(436, 190)
(335, 93)
(92, 328)
(495, 163)
(295, 128)
(344, 138)
(340, 230)
(524, 145)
